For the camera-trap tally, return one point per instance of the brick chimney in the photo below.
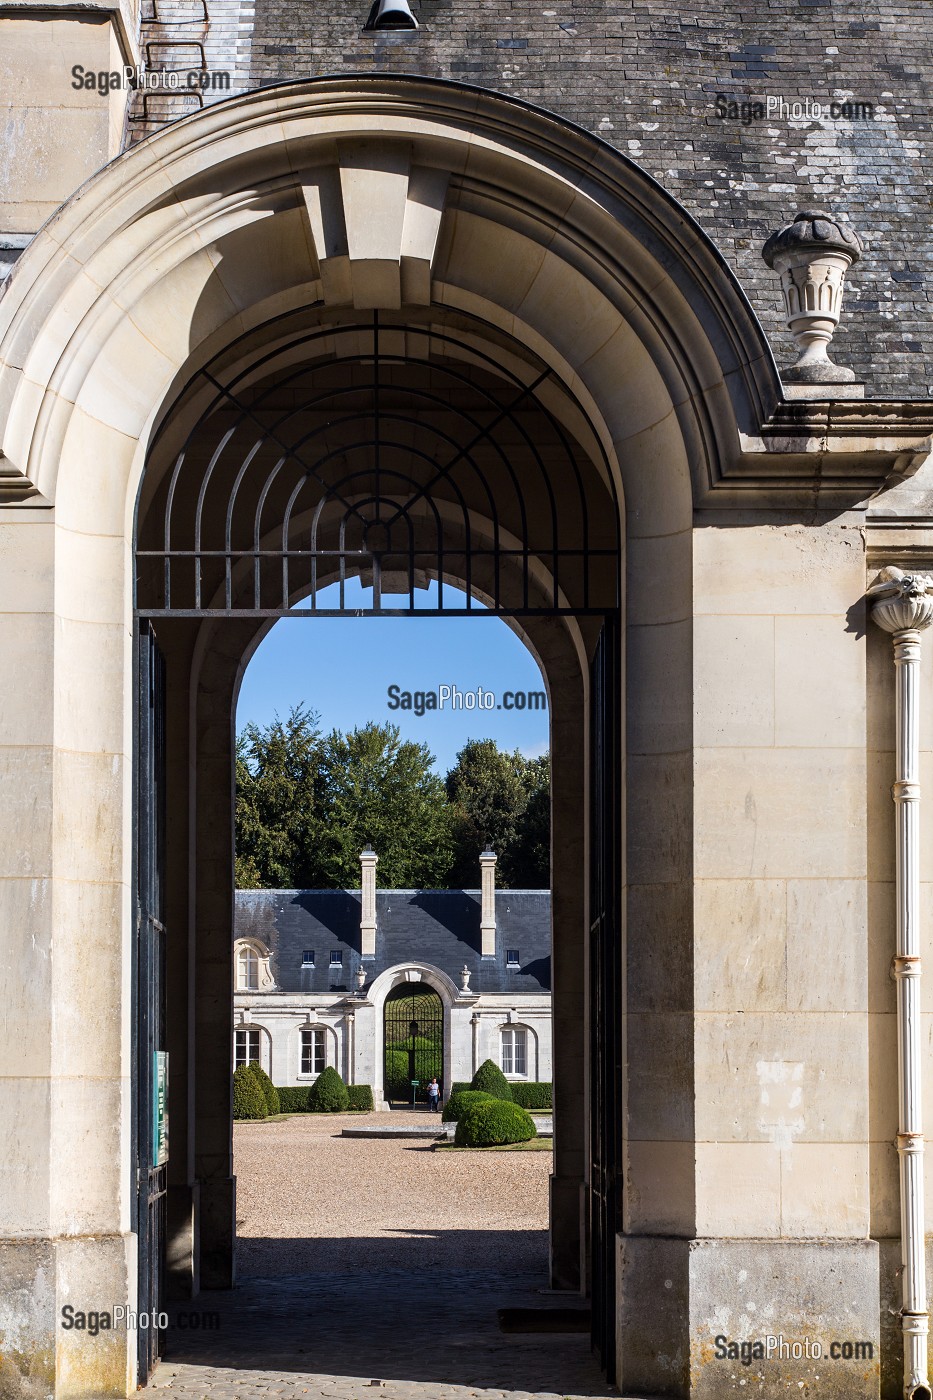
(487, 917)
(368, 862)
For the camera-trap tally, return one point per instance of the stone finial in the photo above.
(487, 918)
(465, 975)
(812, 255)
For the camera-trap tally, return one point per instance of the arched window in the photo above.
(247, 969)
(514, 1051)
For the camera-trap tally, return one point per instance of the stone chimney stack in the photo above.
(368, 862)
(487, 917)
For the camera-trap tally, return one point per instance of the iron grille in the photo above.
(398, 454)
(414, 1043)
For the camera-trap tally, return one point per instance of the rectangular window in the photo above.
(514, 1050)
(511, 957)
(245, 1048)
(336, 958)
(307, 958)
(313, 1054)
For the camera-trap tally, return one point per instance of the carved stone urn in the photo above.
(812, 255)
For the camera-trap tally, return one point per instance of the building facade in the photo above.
(307, 996)
(485, 301)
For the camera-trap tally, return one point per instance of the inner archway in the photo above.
(444, 467)
(413, 1041)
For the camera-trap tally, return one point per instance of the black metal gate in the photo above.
(414, 1042)
(149, 1062)
(606, 993)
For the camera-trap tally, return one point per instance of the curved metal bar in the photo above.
(318, 399)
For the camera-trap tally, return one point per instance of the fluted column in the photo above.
(903, 606)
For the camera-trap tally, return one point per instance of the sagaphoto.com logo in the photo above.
(157, 80)
(450, 697)
(774, 108)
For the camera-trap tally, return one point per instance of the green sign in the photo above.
(159, 1108)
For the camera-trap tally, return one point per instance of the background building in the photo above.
(306, 996)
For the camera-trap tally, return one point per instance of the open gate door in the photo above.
(605, 959)
(150, 1063)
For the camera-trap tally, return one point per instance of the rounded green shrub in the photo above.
(248, 1099)
(418, 1042)
(397, 1085)
(269, 1092)
(459, 1102)
(491, 1080)
(531, 1094)
(494, 1124)
(328, 1093)
(360, 1098)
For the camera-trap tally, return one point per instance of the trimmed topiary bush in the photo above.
(532, 1094)
(490, 1079)
(463, 1099)
(397, 1085)
(269, 1092)
(457, 1085)
(294, 1100)
(494, 1124)
(360, 1098)
(328, 1093)
(248, 1099)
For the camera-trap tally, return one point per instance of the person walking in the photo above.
(434, 1094)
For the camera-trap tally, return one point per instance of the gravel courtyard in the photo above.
(309, 1200)
(378, 1267)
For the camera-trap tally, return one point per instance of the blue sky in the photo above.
(343, 667)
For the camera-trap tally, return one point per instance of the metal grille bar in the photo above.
(379, 461)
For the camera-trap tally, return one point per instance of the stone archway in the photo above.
(350, 196)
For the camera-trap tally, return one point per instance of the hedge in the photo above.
(294, 1100)
(249, 1101)
(494, 1123)
(269, 1092)
(460, 1101)
(360, 1098)
(490, 1079)
(531, 1094)
(328, 1093)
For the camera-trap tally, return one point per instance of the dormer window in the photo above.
(252, 972)
(247, 969)
(307, 958)
(336, 958)
(511, 957)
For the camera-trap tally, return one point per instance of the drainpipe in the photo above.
(903, 606)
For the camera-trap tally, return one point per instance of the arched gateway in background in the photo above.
(407, 330)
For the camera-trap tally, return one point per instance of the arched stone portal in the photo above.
(439, 207)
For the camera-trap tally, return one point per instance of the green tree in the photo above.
(503, 800)
(382, 790)
(530, 858)
(280, 803)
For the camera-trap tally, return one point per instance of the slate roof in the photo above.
(440, 927)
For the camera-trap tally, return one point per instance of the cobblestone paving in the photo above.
(392, 1333)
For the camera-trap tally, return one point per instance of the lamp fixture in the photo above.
(391, 14)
